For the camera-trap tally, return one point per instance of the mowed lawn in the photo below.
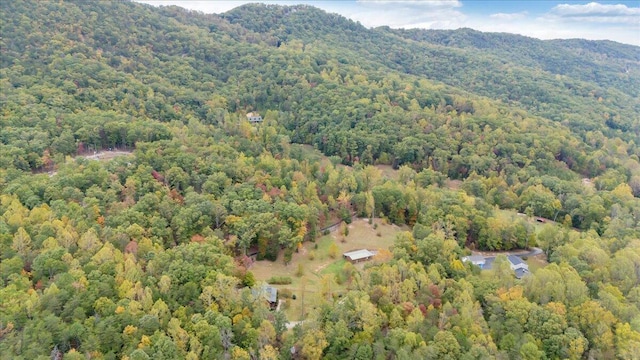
(316, 262)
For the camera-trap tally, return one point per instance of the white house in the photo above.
(254, 117)
(477, 260)
(518, 266)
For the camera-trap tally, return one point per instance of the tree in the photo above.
(333, 250)
(549, 238)
(446, 345)
(530, 351)
(49, 263)
(541, 200)
(370, 205)
(596, 324)
(22, 243)
(627, 341)
(313, 344)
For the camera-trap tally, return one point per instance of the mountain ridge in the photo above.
(165, 252)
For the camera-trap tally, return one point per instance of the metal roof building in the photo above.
(359, 255)
(269, 293)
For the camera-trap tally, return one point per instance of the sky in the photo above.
(615, 20)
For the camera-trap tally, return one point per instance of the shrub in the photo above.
(300, 270)
(333, 250)
(285, 293)
(312, 255)
(279, 280)
(249, 279)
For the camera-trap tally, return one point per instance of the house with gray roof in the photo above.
(269, 293)
(519, 266)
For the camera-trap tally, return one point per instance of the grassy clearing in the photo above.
(388, 172)
(334, 268)
(512, 215)
(453, 184)
(316, 262)
(537, 262)
(313, 155)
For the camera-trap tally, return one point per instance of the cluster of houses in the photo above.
(270, 293)
(519, 267)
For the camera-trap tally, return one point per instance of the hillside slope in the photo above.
(597, 88)
(149, 255)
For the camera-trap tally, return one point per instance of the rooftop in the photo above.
(268, 292)
(475, 259)
(515, 260)
(271, 294)
(359, 254)
(520, 273)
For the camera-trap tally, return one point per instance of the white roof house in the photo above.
(254, 117)
(359, 255)
(477, 260)
(518, 266)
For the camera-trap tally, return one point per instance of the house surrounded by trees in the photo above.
(519, 267)
(254, 118)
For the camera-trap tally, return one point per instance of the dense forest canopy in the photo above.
(144, 255)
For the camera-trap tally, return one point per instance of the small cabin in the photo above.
(268, 293)
(254, 118)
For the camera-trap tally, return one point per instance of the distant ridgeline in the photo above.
(253, 131)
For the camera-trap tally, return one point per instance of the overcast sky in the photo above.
(543, 19)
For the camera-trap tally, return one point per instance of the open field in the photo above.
(310, 153)
(314, 155)
(511, 215)
(103, 155)
(388, 172)
(316, 262)
(106, 155)
(537, 262)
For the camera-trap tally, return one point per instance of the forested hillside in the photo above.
(144, 256)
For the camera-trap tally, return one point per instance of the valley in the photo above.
(264, 143)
